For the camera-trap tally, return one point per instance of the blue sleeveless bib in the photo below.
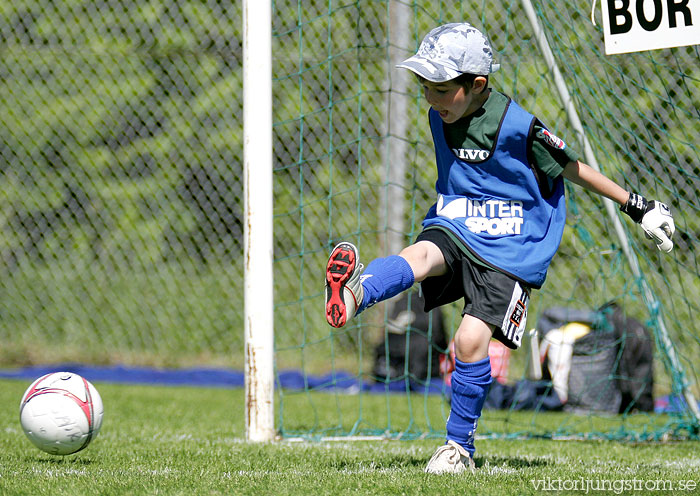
(495, 206)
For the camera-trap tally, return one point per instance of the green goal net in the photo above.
(353, 140)
(121, 153)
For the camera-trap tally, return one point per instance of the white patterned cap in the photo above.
(451, 50)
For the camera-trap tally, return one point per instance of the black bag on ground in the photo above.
(635, 370)
(612, 366)
(413, 341)
(591, 384)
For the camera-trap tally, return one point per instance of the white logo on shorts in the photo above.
(513, 325)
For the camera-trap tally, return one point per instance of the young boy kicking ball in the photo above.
(490, 236)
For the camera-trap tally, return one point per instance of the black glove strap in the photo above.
(635, 207)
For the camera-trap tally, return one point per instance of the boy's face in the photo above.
(451, 100)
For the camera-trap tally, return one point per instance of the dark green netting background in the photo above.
(121, 159)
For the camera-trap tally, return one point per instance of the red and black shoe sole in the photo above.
(340, 267)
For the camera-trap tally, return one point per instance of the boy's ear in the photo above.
(479, 84)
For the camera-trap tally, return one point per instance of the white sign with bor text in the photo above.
(637, 25)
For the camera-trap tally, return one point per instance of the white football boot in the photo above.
(344, 291)
(450, 458)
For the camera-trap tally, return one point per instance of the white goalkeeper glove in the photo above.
(655, 218)
(658, 225)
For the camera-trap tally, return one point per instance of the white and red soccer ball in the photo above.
(61, 413)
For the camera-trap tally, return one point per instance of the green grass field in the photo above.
(180, 440)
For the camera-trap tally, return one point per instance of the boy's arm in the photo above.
(655, 217)
(589, 178)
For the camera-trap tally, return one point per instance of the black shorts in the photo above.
(489, 295)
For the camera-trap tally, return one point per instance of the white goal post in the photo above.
(257, 230)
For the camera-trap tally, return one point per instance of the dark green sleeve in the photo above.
(548, 153)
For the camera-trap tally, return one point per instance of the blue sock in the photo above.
(470, 385)
(384, 278)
